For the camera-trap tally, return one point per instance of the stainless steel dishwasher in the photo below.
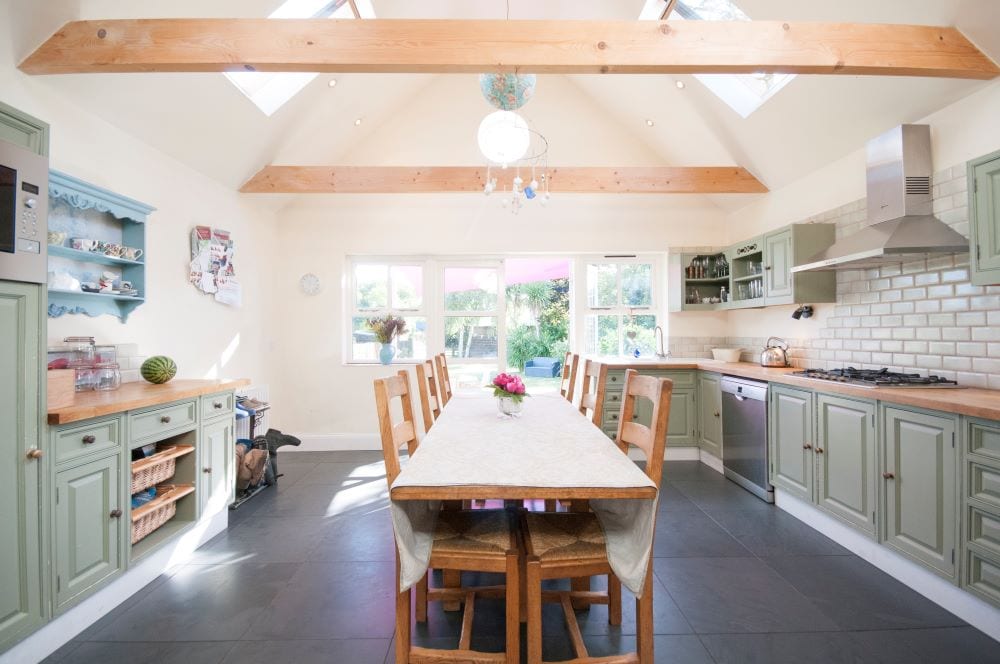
(744, 435)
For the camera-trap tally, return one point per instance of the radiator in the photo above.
(260, 393)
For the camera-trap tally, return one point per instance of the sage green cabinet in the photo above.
(846, 460)
(22, 507)
(217, 455)
(778, 265)
(790, 430)
(24, 130)
(981, 509)
(89, 527)
(683, 423)
(710, 413)
(683, 418)
(984, 219)
(919, 476)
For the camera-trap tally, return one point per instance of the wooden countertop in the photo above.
(139, 394)
(973, 401)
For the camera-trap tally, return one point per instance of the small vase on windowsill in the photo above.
(386, 354)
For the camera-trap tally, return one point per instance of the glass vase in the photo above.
(508, 406)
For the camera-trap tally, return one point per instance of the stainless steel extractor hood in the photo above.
(902, 227)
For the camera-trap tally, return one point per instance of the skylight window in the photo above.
(744, 93)
(269, 91)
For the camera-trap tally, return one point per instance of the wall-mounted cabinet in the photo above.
(984, 220)
(95, 234)
(755, 273)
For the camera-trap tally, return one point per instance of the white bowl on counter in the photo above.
(727, 354)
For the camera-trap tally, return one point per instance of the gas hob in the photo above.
(876, 378)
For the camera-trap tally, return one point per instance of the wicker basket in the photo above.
(152, 520)
(157, 468)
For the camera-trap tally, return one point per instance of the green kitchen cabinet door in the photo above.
(217, 481)
(846, 459)
(790, 429)
(22, 522)
(22, 129)
(919, 475)
(778, 267)
(90, 520)
(710, 413)
(682, 425)
(984, 219)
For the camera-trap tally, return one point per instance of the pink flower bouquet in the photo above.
(512, 387)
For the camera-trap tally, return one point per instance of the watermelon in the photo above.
(158, 369)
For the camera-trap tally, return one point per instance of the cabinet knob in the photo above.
(767, 267)
(88, 440)
(35, 453)
(819, 450)
(807, 446)
(889, 476)
(116, 514)
(165, 419)
(206, 470)
(217, 405)
(715, 414)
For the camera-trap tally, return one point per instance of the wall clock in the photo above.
(310, 284)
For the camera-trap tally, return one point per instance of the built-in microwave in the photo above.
(24, 198)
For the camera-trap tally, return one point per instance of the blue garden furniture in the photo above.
(542, 367)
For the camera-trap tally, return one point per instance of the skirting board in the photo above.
(60, 630)
(974, 611)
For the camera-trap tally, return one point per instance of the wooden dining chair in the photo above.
(595, 376)
(464, 540)
(427, 386)
(444, 380)
(572, 544)
(567, 386)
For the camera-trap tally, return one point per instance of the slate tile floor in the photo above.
(304, 575)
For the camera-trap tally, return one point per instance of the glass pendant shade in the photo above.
(503, 137)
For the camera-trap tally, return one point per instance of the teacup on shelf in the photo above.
(57, 238)
(84, 244)
(131, 253)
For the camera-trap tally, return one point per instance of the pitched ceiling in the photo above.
(202, 120)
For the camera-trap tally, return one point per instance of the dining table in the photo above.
(550, 450)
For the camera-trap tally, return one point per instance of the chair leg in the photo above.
(402, 621)
(512, 605)
(644, 620)
(452, 578)
(421, 601)
(581, 583)
(534, 590)
(614, 600)
(550, 505)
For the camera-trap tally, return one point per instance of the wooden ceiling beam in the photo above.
(474, 46)
(437, 179)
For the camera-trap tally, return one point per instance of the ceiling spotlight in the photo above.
(649, 123)
(332, 82)
(680, 85)
(357, 122)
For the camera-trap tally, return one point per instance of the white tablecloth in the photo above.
(551, 445)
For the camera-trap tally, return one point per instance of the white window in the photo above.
(472, 312)
(381, 289)
(619, 313)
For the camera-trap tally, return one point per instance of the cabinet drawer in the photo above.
(984, 439)
(983, 575)
(213, 405)
(984, 530)
(679, 378)
(615, 381)
(153, 424)
(94, 437)
(984, 484)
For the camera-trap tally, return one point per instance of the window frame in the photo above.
(354, 311)
(621, 310)
(499, 312)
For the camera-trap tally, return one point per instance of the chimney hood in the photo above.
(901, 227)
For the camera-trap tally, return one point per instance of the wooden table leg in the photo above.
(402, 621)
(644, 619)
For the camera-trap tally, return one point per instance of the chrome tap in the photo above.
(658, 338)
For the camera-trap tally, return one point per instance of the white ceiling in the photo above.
(203, 121)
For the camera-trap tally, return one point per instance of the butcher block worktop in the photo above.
(140, 394)
(973, 401)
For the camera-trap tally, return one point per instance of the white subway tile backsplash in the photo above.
(929, 333)
(957, 363)
(956, 334)
(972, 349)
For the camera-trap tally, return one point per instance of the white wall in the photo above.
(176, 320)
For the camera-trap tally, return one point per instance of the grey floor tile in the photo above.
(677, 649)
(672, 500)
(667, 618)
(347, 456)
(773, 532)
(127, 605)
(315, 651)
(331, 601)
(61, 652)
(721, 496)
(359, 497)
(733, 595)
(365, 537)
(944, 645)
(265, 539)
(690, 471)
(291, 470)
(681, 534)
(96, 652)
(201, 603)
(802, 648)
(344, 473)
(857, 595)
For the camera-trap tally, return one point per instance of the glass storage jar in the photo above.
(105, 355)
(107, 377)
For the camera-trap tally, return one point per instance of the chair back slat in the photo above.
(652, 440)
(595, 376)
(430, 406)
(567, 385)
(394, 436)
(444, 381)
